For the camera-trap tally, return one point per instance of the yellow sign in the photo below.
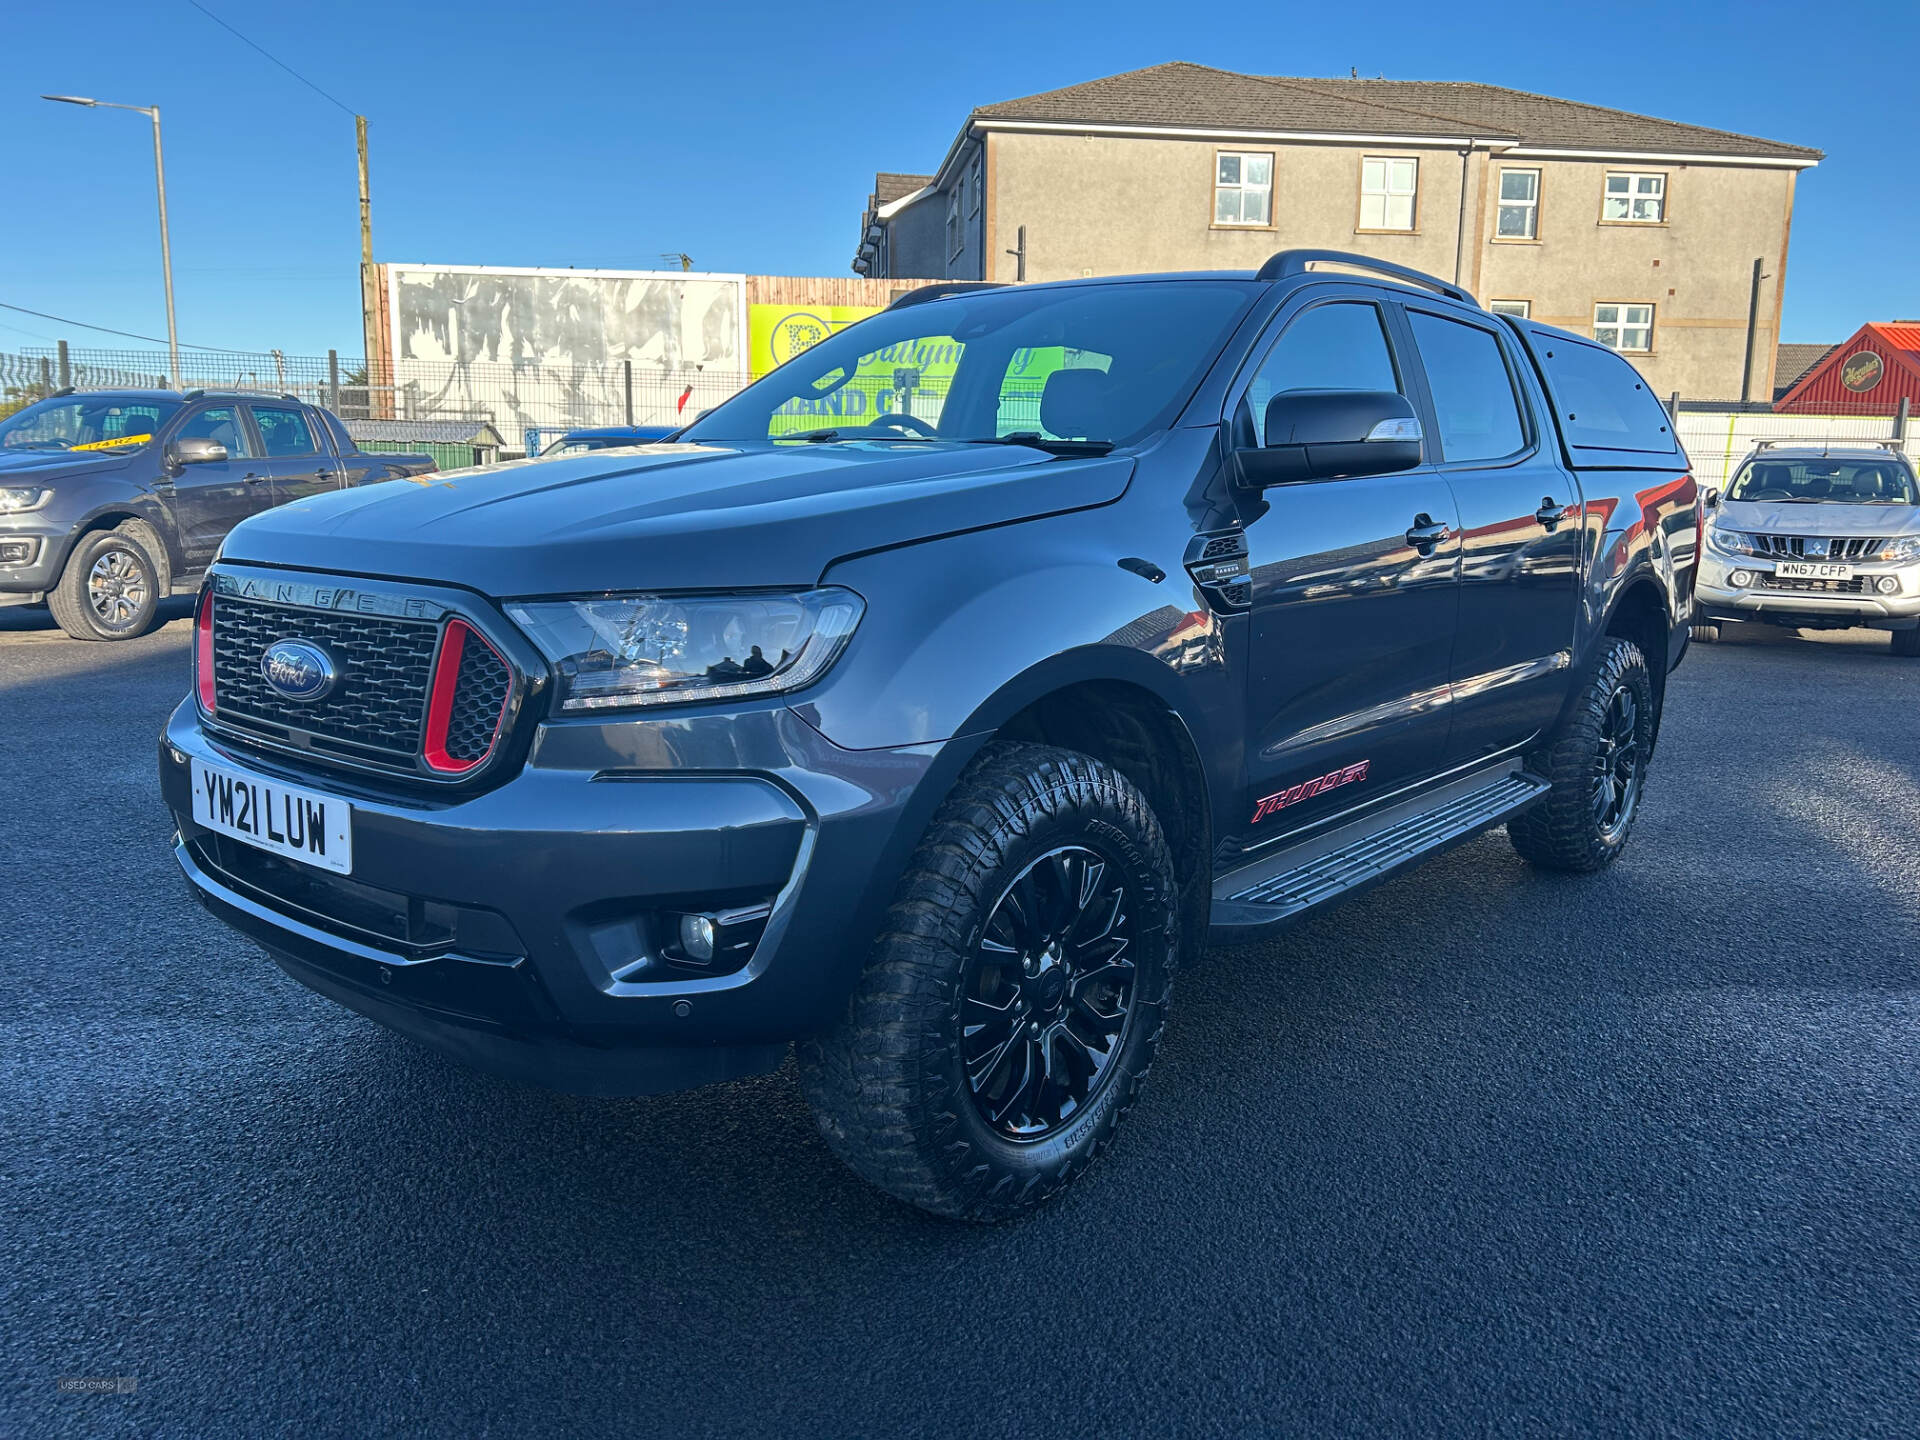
(777, 333)
(113, 444)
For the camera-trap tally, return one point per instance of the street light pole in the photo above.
(152, 112)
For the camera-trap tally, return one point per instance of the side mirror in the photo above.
(196, 450)
(1711, 499)
(1324, 434)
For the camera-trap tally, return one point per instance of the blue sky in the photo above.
(747, 134)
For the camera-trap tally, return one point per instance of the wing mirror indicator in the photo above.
(1332, 434)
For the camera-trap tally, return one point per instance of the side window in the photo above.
(1340, 346)
(1474, 402)
(284, 431)
(1599, 399)
(222, 425)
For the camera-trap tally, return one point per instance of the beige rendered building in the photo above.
(1641, 232)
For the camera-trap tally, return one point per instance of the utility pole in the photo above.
(1753, 322)
(368, 310)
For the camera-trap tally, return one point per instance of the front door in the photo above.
(209, 499)
(1355, 594)
(1520, 534)
(300, 466)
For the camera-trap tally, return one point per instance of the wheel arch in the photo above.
(1123, 718)
(1639, 612)
(111, 517)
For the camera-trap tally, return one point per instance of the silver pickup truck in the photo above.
(1815, 537)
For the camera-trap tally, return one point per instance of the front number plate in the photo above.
(1811, 570)
(302, 825)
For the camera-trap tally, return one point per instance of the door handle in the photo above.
(1427, 533)
(252, 479)
(1551, 512)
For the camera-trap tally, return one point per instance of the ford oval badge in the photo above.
(298, 669)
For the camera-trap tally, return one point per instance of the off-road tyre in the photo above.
(111, 586)
(889, 1083)
(1568, 830)
(1906, 642)
(1707, 633)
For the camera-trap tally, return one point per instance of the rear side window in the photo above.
(284, 431)
(1600, 401)
(1473, 398)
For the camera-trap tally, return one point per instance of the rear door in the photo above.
(1520, 531)
(298, 457)
(1354, 593)
(211, 498)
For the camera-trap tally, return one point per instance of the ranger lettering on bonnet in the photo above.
(923, 719)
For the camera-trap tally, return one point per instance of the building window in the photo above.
(955, 236)
(1624, 327)
(1522, 308)
(1519, 206)
(1634, 198)
(1243, 188)
(974, 186)
(1388, 191)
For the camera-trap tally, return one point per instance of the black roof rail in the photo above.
(944, 289)
(1295, 262)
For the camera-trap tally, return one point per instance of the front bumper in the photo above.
(1717, 598)
(24, 582)
(526, 930)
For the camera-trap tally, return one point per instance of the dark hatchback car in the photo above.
(926, 705)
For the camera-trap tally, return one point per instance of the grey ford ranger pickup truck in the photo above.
(924, 707)
(112, 499)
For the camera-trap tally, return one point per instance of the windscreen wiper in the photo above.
(1044, 442)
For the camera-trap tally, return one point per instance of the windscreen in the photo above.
(85, 422)
(1099, 363)
(1832, 482)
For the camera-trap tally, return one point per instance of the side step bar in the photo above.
(1279, 888)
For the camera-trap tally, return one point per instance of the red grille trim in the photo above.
(440, 698)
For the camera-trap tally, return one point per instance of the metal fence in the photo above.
(514, 398)
(1718, 440)
(531, 404)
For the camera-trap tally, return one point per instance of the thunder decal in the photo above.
(1307, 789)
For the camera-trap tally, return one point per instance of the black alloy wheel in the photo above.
(1047, 996)
(1619, 765)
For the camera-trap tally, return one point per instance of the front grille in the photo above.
(424, 697)
(376, 706)
(1855, 586)
(1838, 547)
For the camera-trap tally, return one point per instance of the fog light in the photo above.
(1887, 585)
(17, 552)
(1740, 579)
(696, 937)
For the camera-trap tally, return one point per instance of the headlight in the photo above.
(1899, 551)
(611, 651)
(1732, 542)
(16, 498)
